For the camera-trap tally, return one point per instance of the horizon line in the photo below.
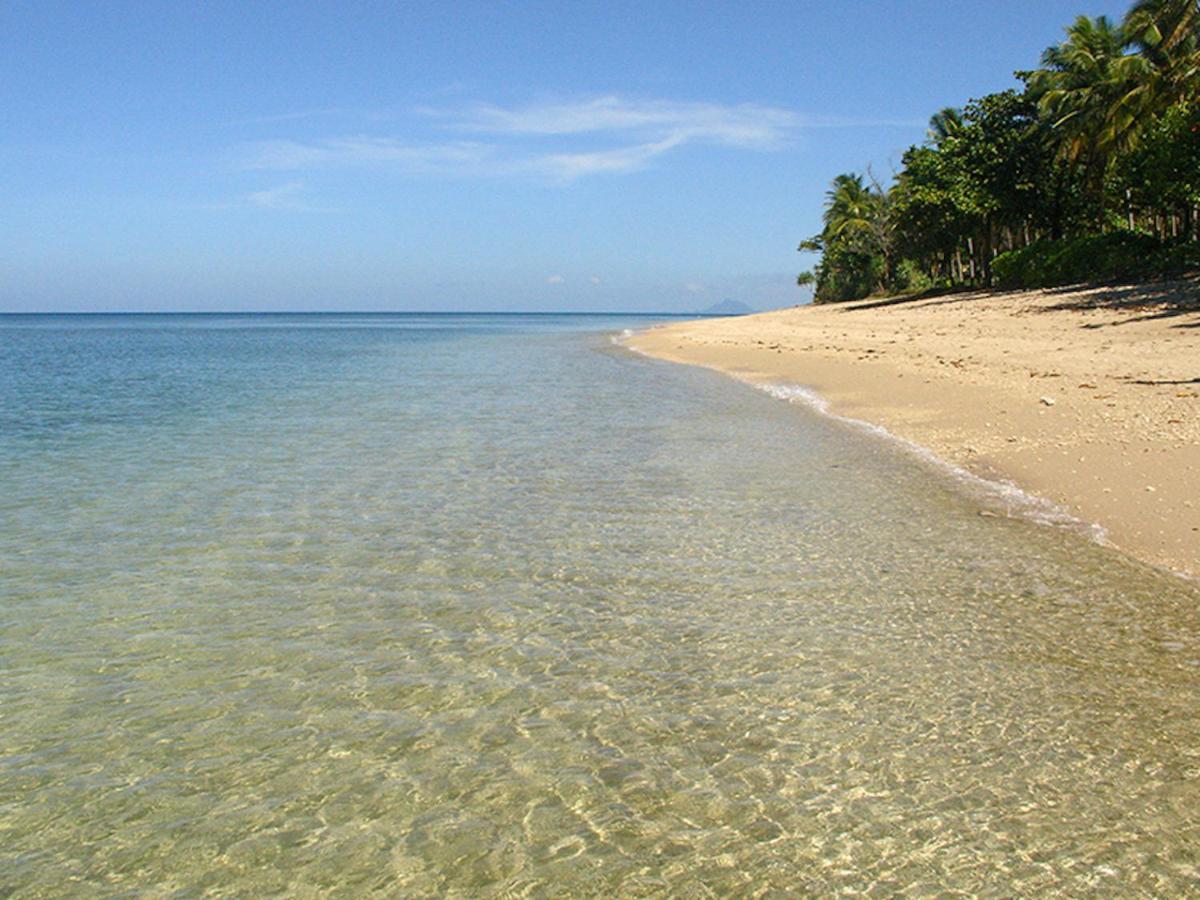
(344, 312)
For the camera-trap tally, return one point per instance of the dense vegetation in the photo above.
(1090, 171)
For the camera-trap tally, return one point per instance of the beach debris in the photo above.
(1047, 401)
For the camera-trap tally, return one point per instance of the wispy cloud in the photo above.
(569, 166)
(555, 279)
(560, 141)
(366, 151)
(744, 125)
(283, 197)
(461, 159)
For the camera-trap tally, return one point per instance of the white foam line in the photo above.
(1017, 502)
(621, 339)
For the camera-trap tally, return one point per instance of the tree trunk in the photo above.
(989, 251)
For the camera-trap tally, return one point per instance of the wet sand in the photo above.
(1089, 398)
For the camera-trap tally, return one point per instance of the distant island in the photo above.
(727, 308)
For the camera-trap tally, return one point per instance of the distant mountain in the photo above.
(727, 308)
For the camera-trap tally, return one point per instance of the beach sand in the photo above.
(1087, 398)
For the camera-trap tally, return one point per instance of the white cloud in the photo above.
(370, 151)
(744, 125)
(449, 159)
(282, 197)
(558, 141)
(595, 279)
(569, 166)
(555, 279)
(693, 287)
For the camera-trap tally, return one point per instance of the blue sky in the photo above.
(411, 155)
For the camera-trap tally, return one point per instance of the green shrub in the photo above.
(1093, 258)
(846, 275)
(911, 278)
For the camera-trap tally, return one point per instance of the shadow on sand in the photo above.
(1138, 302)
(928, 298)
(1142, 300)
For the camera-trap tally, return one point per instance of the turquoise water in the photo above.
(488, 606)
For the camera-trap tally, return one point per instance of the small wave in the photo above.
(1016, 502)
(621, 339)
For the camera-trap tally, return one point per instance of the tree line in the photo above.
(1091, 168)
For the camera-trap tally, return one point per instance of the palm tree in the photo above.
(1167, 34)
(858, 216)
(944, 124)
(1093, 94)
(849, 208)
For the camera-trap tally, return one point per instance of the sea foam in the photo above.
(1012, 500)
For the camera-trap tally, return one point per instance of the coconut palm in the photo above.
(944, 124)
(858, 217)
(1094, 95)
(1166, 33)
(849, 209)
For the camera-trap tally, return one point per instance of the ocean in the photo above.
(487, 605)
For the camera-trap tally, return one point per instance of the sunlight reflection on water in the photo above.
(486, 610)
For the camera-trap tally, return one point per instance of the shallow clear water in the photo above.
(486, 605)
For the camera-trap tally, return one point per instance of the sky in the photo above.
(592, 156)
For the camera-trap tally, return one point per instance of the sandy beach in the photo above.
(1087, 398)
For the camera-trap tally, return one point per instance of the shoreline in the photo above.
(1086, 399)
(996, 492)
